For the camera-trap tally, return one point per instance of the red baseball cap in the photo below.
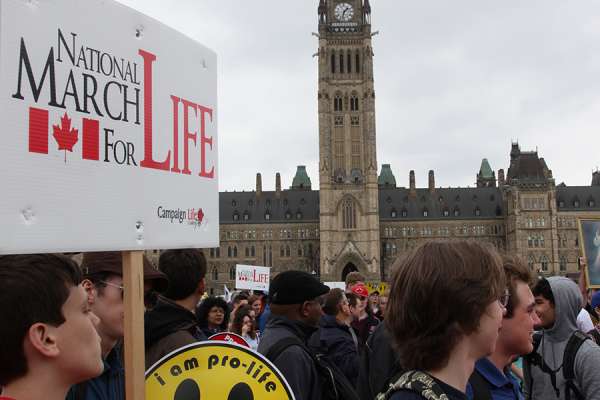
(360, 290)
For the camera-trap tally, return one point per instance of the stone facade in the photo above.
(358, 220)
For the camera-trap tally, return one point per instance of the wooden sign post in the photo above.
(133, 282)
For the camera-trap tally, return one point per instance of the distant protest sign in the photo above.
(109, 130)
(252, 277)
(215, 370)
(336, 285)
(229, 337)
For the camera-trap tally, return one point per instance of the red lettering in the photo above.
(175, 101)
(148, 161)
(187, 135)
(204, 141)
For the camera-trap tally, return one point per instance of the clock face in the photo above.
(344, 12)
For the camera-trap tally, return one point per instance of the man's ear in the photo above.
(42, 338)
(304, 309)
(90, 291)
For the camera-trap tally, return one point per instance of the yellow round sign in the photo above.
(215, 371)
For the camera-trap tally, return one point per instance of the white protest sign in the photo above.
(252, 277)
(109, 130)
(336, 285)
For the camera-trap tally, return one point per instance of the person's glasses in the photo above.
(504, 298)
(114, 285)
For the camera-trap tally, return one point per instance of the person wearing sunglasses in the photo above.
(103, 283)
(492, 377)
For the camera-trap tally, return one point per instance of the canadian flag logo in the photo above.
(65, 135)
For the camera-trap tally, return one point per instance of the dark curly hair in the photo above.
(204, 308)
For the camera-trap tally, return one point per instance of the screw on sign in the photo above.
(215, 371)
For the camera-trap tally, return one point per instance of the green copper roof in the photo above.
(386, 178)
(485, 171)
(301, 180)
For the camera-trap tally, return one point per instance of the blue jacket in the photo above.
(502, 385)
(110, 385)
(336, 341)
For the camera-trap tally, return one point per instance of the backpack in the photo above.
(568, 364)
(334, 384)
(418, 382)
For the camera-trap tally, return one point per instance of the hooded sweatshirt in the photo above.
(537, 384)
(167, 327)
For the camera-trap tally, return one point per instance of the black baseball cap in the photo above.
(295, 287)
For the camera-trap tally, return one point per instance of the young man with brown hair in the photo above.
(172, 323)
(444, 313)
(492, 375)
(48, 339)
(103, 282)
(354, 278)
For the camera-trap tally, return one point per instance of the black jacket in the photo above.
(168, 327)
(335, 340)
(295, 363)
(379, 364)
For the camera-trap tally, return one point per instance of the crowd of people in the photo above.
(456, 319)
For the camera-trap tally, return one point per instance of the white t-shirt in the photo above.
(584, 321)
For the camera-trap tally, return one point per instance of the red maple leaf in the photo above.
(200, 215)
(65, 136)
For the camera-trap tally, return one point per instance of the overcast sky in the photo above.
(455, 82)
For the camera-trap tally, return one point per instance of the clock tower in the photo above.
(348, 198)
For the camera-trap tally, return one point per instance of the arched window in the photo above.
(236, 216)
(425, 212)
(348, 214)
(267, 216)
(531, 262)
(333, 62)
(354, 103)
(287, 251)
(246, 216)
(563, 263)
(544, 262)
(341, 63)
(337, 103)
(404, 213)
(446, 212)
(357, 69)
(270, 260)
(299, 251)
(247, 252)
(265, 255)
(215, 274)
(393, 214)
(232, 273)
(229, 252)
(349, 62)
(252, 251)
(282, 251)
(456, 212)
(235, 251)
(477, 212)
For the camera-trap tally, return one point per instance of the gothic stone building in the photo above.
(362, 220)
